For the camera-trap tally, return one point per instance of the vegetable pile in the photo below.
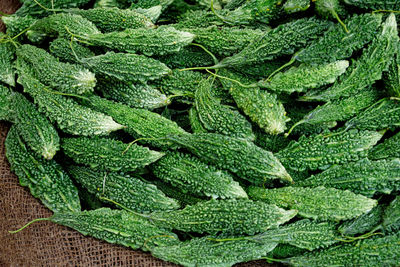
(211, 133)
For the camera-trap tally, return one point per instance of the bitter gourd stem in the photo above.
(207, 51)
(232, 80)
(29, 223)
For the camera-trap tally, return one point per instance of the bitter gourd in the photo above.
(262, 107)
(318, 203)
(189, 174)
(305, 234)
(363, 177)
(197, 19)
(161, 41)
(299, 79)
(213, 253)
(363, 223)
(342, 109)
(5, 107)
(17, 24)
(114, 19)
(126, 67)
(70, 117)
(283, 251)
(390, 148)
(35, 8)
(34, 128)
(294, 6)
(224, 41)
(153, 13)
(237, 155)
(391, 216)
(195, 124)
(65, 77)
(369, 67)
(61, 48)
(108, 154)
(218, 118)
(63, 25)
(391, 78)
(45, 179)
(382, 251)
(229, 216)
(140, 123)
(336, 44)
(117, 227)
(273, 143)
(375, 4)
(123, 189)
(133, 95)
(383, 114)
(283, 40)
(322, 150)
(7, 70)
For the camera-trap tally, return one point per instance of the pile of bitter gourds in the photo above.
(211, 132)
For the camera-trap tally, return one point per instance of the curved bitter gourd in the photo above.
(391, 78)
(318, 203)
(382, 251)
(117, 227)
(188, 173)
(184, 198)
(363, 177)
(219, 118)
(140, 123)
(204, 252)
(35, 8)
(38, 133)
(16, 24)
(108, 154)
(64, 24)
(283, 40)
(45, 179)
(382, 115)
(188, 56)
(390, 148)
(133, 95)
(322, 150)
(375, 4)
(161, 41)
(230, 216)
(65, 77)
(114, 19)
(69, 115)
(126, 67)
(261, 106)
(237, 155)
(130, 192)
(294, 6)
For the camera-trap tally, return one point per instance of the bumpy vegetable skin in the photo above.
(217, 118)
(117, 227)
(236, 155)
(32, 8)
(299, 79)
(45, 179)
(108, 154)
(140, 123)
(390, 148)
(126, 67)
(391, 78)
(123, 189)
(61, 48)
(322, 150)
(261, 106)
(230, 216)
(188, 173)
(7, 70)
(70, 117)
(318, 203)
(381, 251)
(65, 77)
(161, 41)
(363, 177)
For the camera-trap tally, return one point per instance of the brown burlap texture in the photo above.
(45, 243)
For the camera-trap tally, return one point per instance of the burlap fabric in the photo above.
(45, 243)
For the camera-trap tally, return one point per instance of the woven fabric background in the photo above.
(45, 243)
